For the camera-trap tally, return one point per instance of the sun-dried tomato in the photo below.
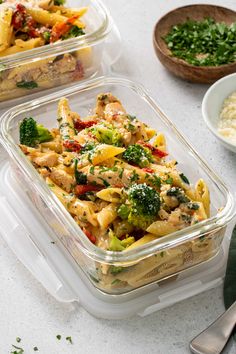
(79, 124)
(155, 151)
(91, 237)
(72, 145)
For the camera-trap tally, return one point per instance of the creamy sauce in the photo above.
(227, 123)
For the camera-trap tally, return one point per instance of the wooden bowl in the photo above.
(179, 67)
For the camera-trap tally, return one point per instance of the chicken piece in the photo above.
(48, 159)
(108, 177)
(111, 110)
(102, 101)
(62, 179)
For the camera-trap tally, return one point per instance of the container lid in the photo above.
(27, 235)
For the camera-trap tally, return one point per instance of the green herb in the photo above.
(91, 170)
(35, 349)
(105, 183)
(184, 178)
(18, 339)
(47, 36)
(18, 350)
(80, 177)
(130, 117)
(58, 337)
(179, 194)
(116, 281)
(134, 177)
(193, 206)
(155, 180)
(59, 2)
(121, 173)
(69, 339)
(27, 84)
(169, 180)
(162, 254)
(131, 127)
(75, 31)
(116, 270)
(203, 43)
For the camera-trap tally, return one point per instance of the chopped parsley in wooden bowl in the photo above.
(197, 42)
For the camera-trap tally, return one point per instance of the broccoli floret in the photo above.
(138, 155)
(119, 245)
(32, 133)
(115, 243)
(107, 134)
(141, 206)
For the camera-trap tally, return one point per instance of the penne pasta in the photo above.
(203, 195)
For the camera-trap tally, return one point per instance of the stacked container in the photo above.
(49, 242)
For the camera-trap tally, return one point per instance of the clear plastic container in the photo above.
(163, 258)
(60, 63)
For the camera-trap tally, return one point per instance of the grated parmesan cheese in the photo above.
(227, 123)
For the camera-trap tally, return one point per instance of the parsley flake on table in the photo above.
(58, 337)
(69, 339)
(17, 350)
(203, 43)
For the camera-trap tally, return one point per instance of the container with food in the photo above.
(46, 44)
(131, 203)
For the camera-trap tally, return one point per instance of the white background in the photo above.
(28, 311)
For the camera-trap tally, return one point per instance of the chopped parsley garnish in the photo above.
(179, 194)
(27, 84)
(154, 180)
(75, 31)
(116, 270)
(184, 178)
(59, 2)
(18, 350)
(203, 43)
(58, 337)
(69, 339)
(18, 339)
(193, 206)
(35, 349)
(80, 177)
(169, 180)
(105, 183)
(116, 281)
(47, 36)
(134, 177)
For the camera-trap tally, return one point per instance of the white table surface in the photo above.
(28, 311)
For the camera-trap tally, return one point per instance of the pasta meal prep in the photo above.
(127, 211)
(45, 44)
(114, 173)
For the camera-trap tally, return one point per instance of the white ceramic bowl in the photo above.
(212, 105)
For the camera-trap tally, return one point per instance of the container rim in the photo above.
(222, 217)
(58, 48)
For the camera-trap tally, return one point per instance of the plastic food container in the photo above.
(60, 63)
(116, 276)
